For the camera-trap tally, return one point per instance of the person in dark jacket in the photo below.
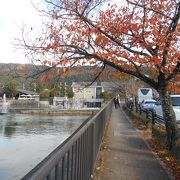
(116, 102)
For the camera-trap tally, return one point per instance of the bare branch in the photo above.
(96, 77)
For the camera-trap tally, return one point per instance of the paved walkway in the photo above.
(128, 156)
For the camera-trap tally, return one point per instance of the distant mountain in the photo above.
(28, 73)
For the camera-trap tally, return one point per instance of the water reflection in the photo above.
(26, 139)
(9, 131)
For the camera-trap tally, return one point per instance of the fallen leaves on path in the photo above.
(172, 164)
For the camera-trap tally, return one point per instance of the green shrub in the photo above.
(159, 133)
(45, 94)
(176, 151)
(135, 116)
(106, 96)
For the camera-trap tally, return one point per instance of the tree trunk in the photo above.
(169, 117)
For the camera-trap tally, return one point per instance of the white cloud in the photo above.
(13, 15)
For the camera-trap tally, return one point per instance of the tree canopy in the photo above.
(140, 38)
(10, 88)
(142, 34)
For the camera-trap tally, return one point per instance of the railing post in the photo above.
(93, 149)
(153, 117)
(146, 113)
(136, 107)
(140, 110)
(72, 161)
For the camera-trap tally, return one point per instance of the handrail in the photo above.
(75, 158)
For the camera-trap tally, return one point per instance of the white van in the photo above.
(144, 94)
(176, 107)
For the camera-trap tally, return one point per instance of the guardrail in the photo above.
(75, 158)
(149, 114)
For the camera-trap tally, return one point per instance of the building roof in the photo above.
(95, 84)
(22, 91)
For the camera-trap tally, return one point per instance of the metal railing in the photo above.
(75, 158)
(148, 113)
(151, 115)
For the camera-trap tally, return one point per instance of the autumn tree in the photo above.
(141, 34)
(44, 94)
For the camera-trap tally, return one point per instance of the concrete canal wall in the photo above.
(64, 112)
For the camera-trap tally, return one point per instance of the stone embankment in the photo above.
(62, 112)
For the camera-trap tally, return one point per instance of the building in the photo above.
(90, 95)
(59, 101)
(25, 94)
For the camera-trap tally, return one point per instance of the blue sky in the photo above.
(12, 15)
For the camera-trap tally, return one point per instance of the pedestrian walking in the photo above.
(116, 102)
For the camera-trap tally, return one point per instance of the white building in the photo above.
(90, 95)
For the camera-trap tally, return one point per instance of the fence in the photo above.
(75, 158)
(148, 113)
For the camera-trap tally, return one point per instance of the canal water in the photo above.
(25, 140)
